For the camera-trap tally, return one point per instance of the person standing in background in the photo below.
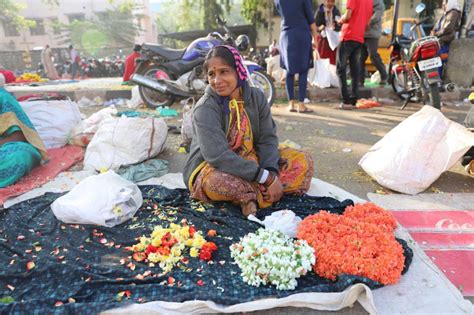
(296, 54)
(74, 61)
(130, 63)
(48, 65)
(371, 44)
(326, 17)
(354, 23)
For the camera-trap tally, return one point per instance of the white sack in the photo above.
(124, 141)
(53, 120)
(91, 124)
(417, 151)
(105, 199)
(284, 221)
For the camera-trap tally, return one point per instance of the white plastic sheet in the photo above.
(417, 151)
(105, 199)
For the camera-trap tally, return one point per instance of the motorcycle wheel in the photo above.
(435, 99)
(398, 87)
(264, 83)
(155, 99)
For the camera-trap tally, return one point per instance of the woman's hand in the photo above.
(274, 191)
(321, 28)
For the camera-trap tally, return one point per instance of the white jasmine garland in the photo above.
(270, 257)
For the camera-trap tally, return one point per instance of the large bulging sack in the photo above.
(417, 151)
(125, 141)
(105, 199)
(53, 120)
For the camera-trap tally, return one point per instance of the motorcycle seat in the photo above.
(168, 53)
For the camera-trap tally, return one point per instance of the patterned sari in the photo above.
(17, 158)
(209, 184)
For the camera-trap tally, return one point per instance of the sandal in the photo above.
(302, 109)
(291, 106)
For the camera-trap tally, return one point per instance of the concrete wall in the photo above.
(460, 66)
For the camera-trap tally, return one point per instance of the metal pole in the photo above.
(466, 12)
(396, 8)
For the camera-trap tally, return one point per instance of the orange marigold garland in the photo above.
(351, 245)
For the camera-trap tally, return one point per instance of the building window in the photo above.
(76, 17)
(38, 29)
(9, 29)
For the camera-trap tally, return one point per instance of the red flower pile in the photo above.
(206, 251)
(360, 242)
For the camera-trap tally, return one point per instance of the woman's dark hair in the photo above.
(220, 52)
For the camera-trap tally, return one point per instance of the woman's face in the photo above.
(221, 76)
(329, 3)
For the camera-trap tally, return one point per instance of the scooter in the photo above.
(164, 75)
(413, 69)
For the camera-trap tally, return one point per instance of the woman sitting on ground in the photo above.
(21, 148)
(234, 153)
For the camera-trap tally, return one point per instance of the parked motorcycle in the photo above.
(413, 69)
(165, 74)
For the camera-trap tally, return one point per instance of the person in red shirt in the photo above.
(354, 23)
(130, 63)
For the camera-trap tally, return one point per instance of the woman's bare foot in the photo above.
(249, 208)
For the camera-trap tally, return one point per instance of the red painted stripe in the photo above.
(437, 220)
(430, 240)
(458, 266)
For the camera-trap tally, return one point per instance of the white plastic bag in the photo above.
(136, 99)
(105, 199)
(333, 76)
(53, 120)
(284, 221)
(417, 151)
(333, 38)
(124, 141)
(320, 77)
(187, 131)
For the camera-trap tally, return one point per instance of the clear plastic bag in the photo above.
(105, 199)
(284, 221)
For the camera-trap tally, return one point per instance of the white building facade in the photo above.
(47, 17)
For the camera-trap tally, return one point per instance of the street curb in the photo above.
(315, 94)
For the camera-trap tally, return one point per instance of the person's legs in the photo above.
(213, 185)
(74, 68)
(364, 54)
(354, 64)
(16, 160)
(290, 91)
(302, 85)
(341, 65)
(373, 46)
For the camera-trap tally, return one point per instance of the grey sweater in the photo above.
(374, 29)
(210, 144)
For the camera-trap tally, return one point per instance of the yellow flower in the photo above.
(189, 242)
(175, 251)
(194, 252)
(198, 241)
(154, 258)
(156, 242)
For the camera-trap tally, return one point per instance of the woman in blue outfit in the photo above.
(21, 148)
(296, 57)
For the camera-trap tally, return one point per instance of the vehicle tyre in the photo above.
(399, 87)
(264, 83)
(155, 99)
(435, 98)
